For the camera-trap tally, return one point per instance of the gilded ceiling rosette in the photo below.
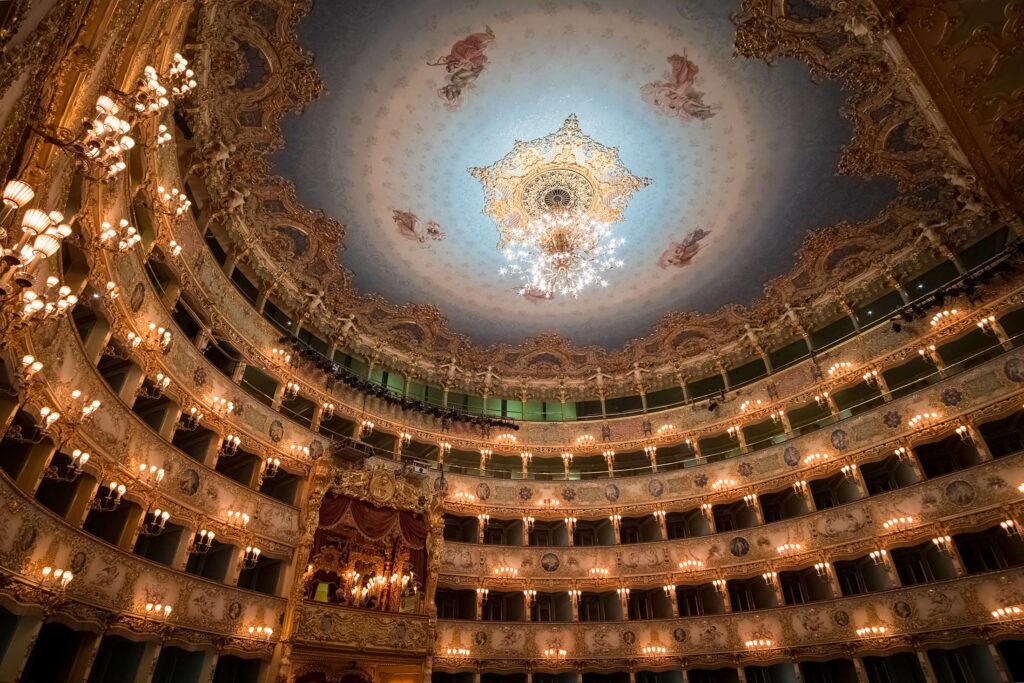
(566, 169)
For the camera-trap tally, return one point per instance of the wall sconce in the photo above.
(944, 544)
(530, 596)
(813, 459)
(251, 557)
(749, 405)
(570, 525)
(528, 522)
(69, 472)
(988, 325)
(849, 471)
(758, 644)
(443, 449)
(484, 520)
(239, 520)
(229, 446)
(463, 498)
(150, 475)
(566, 461)
(751, 500)
(506, 438)
(800, 487)
(609, 458)
(821, 399)
(120, 239)
(897, 523)
(55, 579)
(788, 549)
(778, 416)
(666, 430)
(1010, 527)
(157, 338)
(1007, 613)
(719, 585)
(260, 632)
(109, 501)
(903, 453)
(871, 631)
(734, 432)
(189, 420)
(506, 572)
(964, 432)
(482, 593)
(574, 597)
(526, 457)
(171, 202)
(688, 565)
(291, 390)
(158, 611)
(821, 568)
(720, 484)
(670, 590)
(326, 410)
(616, 521)
(154, 388)
(659, 516)
(174, 248)
(944, 316)
(271, 466)
(202, 542)
(281, 356)
(598, 572)
(163, 136)
(927, 354)
(222, 406)
(654, 650)
(770, 577)
(872, 378)
(623, 593)
(28, 369)
(585, 440)
(878, 556)
(485, 456)
(154, 522)
(555, 652)
(840, 367)
(457, 652)
(366, 426)
(298, 451)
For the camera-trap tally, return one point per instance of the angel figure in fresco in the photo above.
(410, 227)
(463, 64)
(677, 96)
(680, 254)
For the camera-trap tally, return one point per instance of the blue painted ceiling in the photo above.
(755, 172)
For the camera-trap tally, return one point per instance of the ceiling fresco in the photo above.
(741, 156)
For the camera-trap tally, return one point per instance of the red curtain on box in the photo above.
(374, 524)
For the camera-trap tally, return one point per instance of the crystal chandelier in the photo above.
(561, 252)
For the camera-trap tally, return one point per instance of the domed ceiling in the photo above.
(733, 161)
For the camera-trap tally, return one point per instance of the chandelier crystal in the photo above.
(562, 252)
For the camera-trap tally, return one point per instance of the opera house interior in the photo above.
(512, 341)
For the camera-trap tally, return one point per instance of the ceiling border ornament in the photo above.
(893, 137)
